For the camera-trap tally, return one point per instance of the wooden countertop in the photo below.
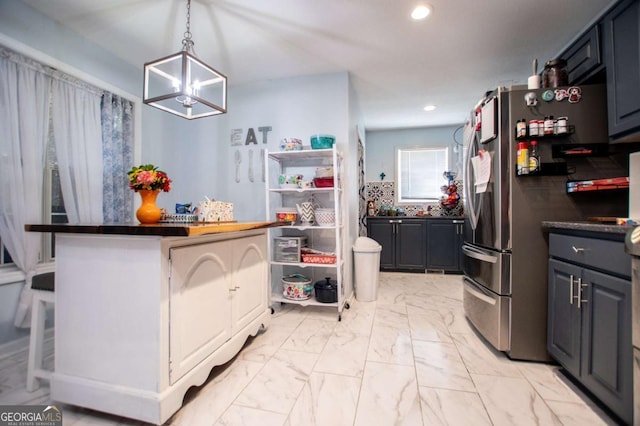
(160, 229)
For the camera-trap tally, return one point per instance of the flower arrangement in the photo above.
(147, 176)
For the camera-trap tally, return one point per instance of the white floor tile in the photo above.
(513, 401)
(326, 400)
(388, 396)
(409, 358)
(243, 416)
(439, 365)
(279, 383)
(442, 407)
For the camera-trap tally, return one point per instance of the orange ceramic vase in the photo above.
(148, 212)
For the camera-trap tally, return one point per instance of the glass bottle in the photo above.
(534, 158)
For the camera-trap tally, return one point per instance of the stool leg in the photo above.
(36, 339)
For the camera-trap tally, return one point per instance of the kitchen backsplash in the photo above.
(383, 193)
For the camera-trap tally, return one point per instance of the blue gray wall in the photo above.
(382, 144)
(197, 154)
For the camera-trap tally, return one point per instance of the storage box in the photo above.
(215, 211)
(324, 182)
(316, 256)
(288, 249)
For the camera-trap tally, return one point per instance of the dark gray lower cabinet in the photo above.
(589, 318)
(402, 241)
(444, 245)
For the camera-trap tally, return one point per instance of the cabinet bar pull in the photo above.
(578, 249)
(571, 289)
(581, 286)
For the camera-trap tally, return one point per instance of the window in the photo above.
(118, 133)
(419, 173)
(5, 257)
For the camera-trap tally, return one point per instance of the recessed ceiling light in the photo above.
(429, 107)
(421, 12)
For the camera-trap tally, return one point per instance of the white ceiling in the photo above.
(398, 66)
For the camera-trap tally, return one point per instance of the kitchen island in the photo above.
(144, 312)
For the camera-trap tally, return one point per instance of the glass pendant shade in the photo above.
(185, 86)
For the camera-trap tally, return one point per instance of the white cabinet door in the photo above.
(200, 304)
(250, 297)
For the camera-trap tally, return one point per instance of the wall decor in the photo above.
(250, 138)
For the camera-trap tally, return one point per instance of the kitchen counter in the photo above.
(159, 229)
(587, 226)
(416, 217)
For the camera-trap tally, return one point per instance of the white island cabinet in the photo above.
(139, 319)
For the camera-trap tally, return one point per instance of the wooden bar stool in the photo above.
(43, 292)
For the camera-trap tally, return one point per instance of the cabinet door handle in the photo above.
(234, 288)
(571, 297)
(581, 285)
(577, 249)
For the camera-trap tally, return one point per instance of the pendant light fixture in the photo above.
(184, 85)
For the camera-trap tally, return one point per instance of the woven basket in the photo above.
(325, 217)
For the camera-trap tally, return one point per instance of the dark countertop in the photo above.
(417, 217)
(588, 226)
(160, 229)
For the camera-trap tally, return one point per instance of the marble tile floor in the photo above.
(410, 358)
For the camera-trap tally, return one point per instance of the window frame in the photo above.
(400, 199)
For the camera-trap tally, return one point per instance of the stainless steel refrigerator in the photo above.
(505, 248)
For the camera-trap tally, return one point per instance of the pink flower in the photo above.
(146, 177)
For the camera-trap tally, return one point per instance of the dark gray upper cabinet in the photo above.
(621, 37)
(584, 57)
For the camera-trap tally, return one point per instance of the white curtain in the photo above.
(78, 139)
(24, 122)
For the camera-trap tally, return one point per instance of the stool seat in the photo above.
(43, 287)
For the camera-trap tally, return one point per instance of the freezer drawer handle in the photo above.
(472, 288)
(479, 255)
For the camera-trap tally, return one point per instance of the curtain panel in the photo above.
(117, 157)
(24, 123)
(78, 141)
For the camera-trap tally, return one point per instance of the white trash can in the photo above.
(366, 257)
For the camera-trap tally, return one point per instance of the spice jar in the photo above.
(549, 125)
(521, 128)
(533, 128)
(561, 126)
(555, 74)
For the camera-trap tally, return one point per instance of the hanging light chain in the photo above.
(187, 42)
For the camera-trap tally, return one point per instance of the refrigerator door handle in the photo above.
(478, 292)
(468, 196)
(477, 254)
